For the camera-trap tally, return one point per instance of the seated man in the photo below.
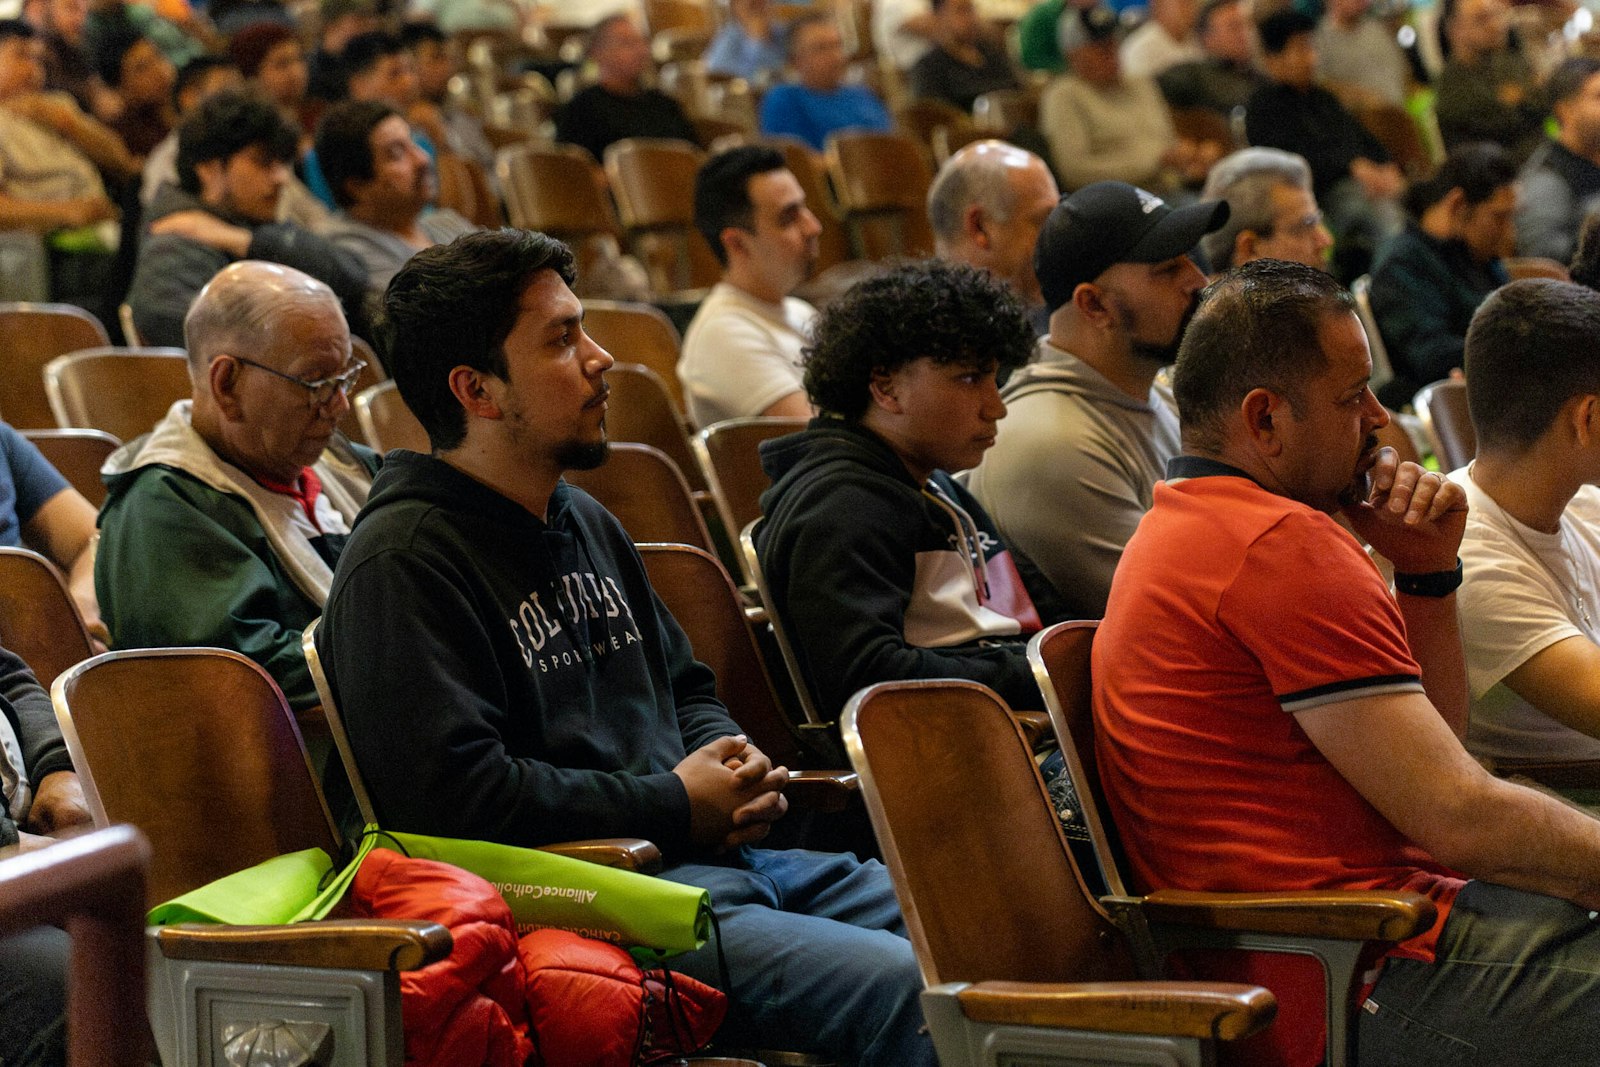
(1351, 174)
(233, 163)
(751, 43)
(1488, 90)
(1427, 281)
(1104, 125)
(1089, 430)
(985, 208)
(451, 127)
(134, 68)
(619, 105)
(818, 102)
(1532, 547)
(965, 61)
(1272, 213)
(903, 31)
(223, 524)
(1225, 76)
(383, 184)
(741, 354)
(526, 697)
(1252, 656)
(1359, 51)
(881, 566)
(1561, 183)
(197, 80)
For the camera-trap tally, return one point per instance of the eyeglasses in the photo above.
(322, 391)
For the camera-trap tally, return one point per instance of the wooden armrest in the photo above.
(346, 944)
(1212, 1010)
(1035, 727)
(1344, 915)
(629, 853)
(1554, 774)
(827, 791)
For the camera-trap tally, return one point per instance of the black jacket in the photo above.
(508, 679)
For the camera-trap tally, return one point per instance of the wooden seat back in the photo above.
(198, 749)
(637, 333)
(78, 455)
(1442, 407)
(730, 452)
(123, 391)
(386, 422)
(647, 493)
(986, 883)
(31, 335)
(641, 410)
(653, 181)
(38, 620)
(882, 180)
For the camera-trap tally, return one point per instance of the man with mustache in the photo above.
(1090, 429)
(1270, 717)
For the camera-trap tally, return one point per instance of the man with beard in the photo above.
(741, 354)
(1270, 717)
(1090, 429)
(383, 184)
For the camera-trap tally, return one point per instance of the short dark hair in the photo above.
(1281, 27)
(196, 70)
(365, 50)
(227, 124)
(344, 146)
(454, 305)
(414, 33)
(1479, 170)
(948, 312)
(722, 191)
(1529, 350)
(1255, 328)
(1569, 78)
(111, 45)
(10, 28)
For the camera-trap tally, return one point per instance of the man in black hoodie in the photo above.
(879, 564)
(506, 672)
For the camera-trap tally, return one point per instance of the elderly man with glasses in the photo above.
(223, 524)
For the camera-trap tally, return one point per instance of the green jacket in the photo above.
(190, 556)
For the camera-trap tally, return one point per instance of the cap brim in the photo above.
(1177, 232)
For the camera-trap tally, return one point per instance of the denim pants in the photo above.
(1516, 981)
(816, 953)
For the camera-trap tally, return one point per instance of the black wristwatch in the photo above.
(1433, 583)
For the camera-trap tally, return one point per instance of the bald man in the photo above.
(986, 206)
(223, 524)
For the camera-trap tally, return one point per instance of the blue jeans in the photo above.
(817, 956)
(1516, 981)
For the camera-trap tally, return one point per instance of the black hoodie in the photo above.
(877, 578)
(508, 679)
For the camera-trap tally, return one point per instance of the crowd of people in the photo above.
(1129, 383)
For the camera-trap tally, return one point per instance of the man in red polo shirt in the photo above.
(1270, 717)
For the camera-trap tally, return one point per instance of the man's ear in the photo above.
(735, 237)
(1244, 246)
(210, 175)
(1090, 301)
(222, 376)
(972, 224)
(1260, 409)
(476, 391)
(1584, 418)
(882, 389)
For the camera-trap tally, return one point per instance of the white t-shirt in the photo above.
(1150, 50)
(741, 354)
(1525, 590)
(902, 49)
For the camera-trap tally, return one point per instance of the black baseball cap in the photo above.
(1108, 223)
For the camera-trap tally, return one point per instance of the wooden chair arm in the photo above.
(345, 944)
(628, 853)
(1553, 774)
(1211, 1010)
(1035, 727)
(825, 791)
(1344, 915)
